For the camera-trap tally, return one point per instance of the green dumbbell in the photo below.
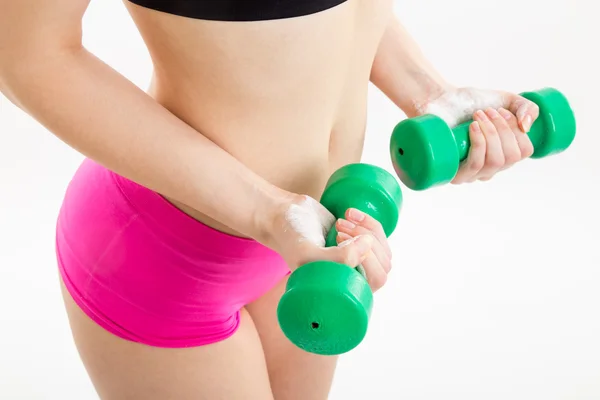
(326, 307)
(426, 152)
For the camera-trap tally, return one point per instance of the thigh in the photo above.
(123, 370)
(294, 373)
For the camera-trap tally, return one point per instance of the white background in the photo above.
(494, 293)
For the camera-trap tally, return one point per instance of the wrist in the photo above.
(270, 214)
(421, 91)
(409, 85)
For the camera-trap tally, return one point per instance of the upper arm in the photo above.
(38, 26)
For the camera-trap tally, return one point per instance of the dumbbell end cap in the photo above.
(367, 187)
(556, 120)
(326, 307)
(424, 152)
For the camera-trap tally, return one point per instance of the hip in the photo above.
(117, 238)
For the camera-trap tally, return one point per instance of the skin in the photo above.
(228, 93)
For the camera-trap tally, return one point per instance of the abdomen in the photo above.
(286, 97)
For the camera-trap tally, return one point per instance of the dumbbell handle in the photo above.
(462, 139)
(331, 239)
(538, 133)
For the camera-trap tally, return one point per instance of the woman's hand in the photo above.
(378, 262)
(498, 133)
(299, 228)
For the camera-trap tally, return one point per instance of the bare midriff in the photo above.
(286, 97)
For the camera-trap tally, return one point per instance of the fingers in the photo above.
(374, 272)
(523, 141)
(497, 143)
(494, 156)
(508, 140)
(362, 243)
(377, 263)
(486, 156)
(348, 229)
(376, 276)
(476, 158)
(371, 224)
(350, 251)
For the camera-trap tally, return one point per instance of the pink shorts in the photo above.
(147, 272)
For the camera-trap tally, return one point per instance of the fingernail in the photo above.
(505, 113)
(356, 215)
(480, 114)
(493, 114)
(345, 224)
(526, 123)
(475, 127)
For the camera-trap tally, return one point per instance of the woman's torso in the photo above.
(287, 97)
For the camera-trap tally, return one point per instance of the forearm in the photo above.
(402, 73)
(98, 112)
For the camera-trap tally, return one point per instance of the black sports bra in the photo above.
(239, 10)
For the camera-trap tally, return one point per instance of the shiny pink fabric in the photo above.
(147, 272)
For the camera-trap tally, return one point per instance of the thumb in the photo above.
(350, 252)
(525, 110)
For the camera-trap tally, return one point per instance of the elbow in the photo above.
(5, 63)
(12, 57)
(9, 80)
(13, 63)
(6, 77)
(25, 69)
